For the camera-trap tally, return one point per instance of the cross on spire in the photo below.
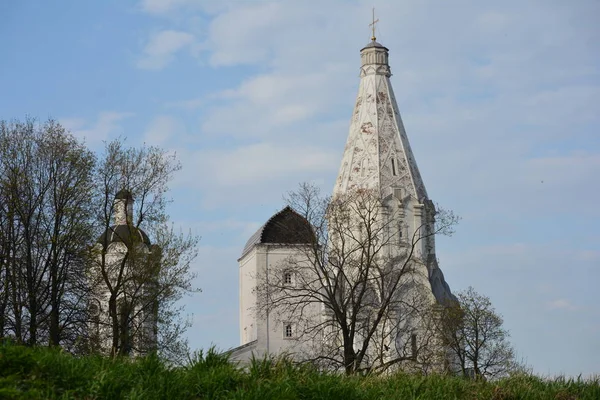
(372, 25)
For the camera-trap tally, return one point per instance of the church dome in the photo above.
(285, 227)
(123, 234)
(124, 194)
(373, 43)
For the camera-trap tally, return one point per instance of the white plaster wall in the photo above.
(247, 297)
(114, 255)
(123, 211)
(263, 260)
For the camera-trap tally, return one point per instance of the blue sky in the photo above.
(501, 102)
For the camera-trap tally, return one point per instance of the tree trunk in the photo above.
(54, 310)
(112, 309)
(349, 357)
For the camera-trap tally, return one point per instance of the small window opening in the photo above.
(394, 166)
(288, 332)
(413, 344)
(287, 278)
(400, 232)
(94, 310)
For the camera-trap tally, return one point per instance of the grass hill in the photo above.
(42, 373)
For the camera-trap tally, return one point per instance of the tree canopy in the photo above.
(57, 197)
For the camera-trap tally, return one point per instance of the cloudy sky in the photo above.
(501, 102)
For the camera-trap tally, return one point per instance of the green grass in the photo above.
(42, 373)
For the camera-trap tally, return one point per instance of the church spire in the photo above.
(377, 153)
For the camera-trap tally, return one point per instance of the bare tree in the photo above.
(70, 169)
(368, 282)
(473, 333)
(137, 284)
(55, 201)
(45, 180)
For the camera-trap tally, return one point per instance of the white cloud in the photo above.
(107, 126)
(163, 6)
(562, 304)
(167, 7)
(260, 172)
(277, 104)
(264, 161)
(162, 47)
(256, 20)
(162, 129)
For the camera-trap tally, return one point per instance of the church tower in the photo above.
(378, 157)
(124, 272)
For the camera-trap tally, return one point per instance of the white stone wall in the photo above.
(123, 211)
(261, 263)
(101, 295)
(247, 298)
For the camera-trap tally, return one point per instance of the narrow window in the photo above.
(394, 166)
(287, 278)
(413, 344)
(288, 332)
(95, 316)
(400, 232)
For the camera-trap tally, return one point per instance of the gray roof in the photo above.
(439, 286)
(373, 43)
(124, 194)
(284, 227)
(124, 234)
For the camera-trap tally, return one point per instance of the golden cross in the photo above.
(372, 25)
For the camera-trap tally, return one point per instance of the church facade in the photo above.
(378, 169)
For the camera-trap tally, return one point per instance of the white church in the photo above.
(378, 160)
